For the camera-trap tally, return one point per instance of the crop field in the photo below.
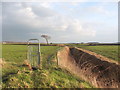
(15, 74)
(110, 51)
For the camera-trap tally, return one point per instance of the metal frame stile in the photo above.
(33, 54)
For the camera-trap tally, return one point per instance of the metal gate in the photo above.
(33, 54)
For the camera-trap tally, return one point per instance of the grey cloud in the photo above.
(20, 24)
(42, 11)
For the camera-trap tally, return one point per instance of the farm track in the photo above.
(100, 71)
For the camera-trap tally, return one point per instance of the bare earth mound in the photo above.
(2, 62)
(100, 73)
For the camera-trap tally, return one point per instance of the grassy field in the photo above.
(111, 52)
(16, 75)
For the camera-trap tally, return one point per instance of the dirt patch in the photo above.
(2, 62)
(99, 72)
(27, 63)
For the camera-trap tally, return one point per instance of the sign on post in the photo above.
(33, 54)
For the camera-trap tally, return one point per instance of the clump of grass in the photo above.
(26, 63)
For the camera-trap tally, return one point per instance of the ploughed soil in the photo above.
(99, 71)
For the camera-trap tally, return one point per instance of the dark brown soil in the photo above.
(100, 73)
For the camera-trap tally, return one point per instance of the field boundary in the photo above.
(99, 56)
(99, 72)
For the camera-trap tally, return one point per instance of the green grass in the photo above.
(15, 75)
(106, 50)
(14, 53)
(0, 50)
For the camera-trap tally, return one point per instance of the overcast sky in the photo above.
(63, 21)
